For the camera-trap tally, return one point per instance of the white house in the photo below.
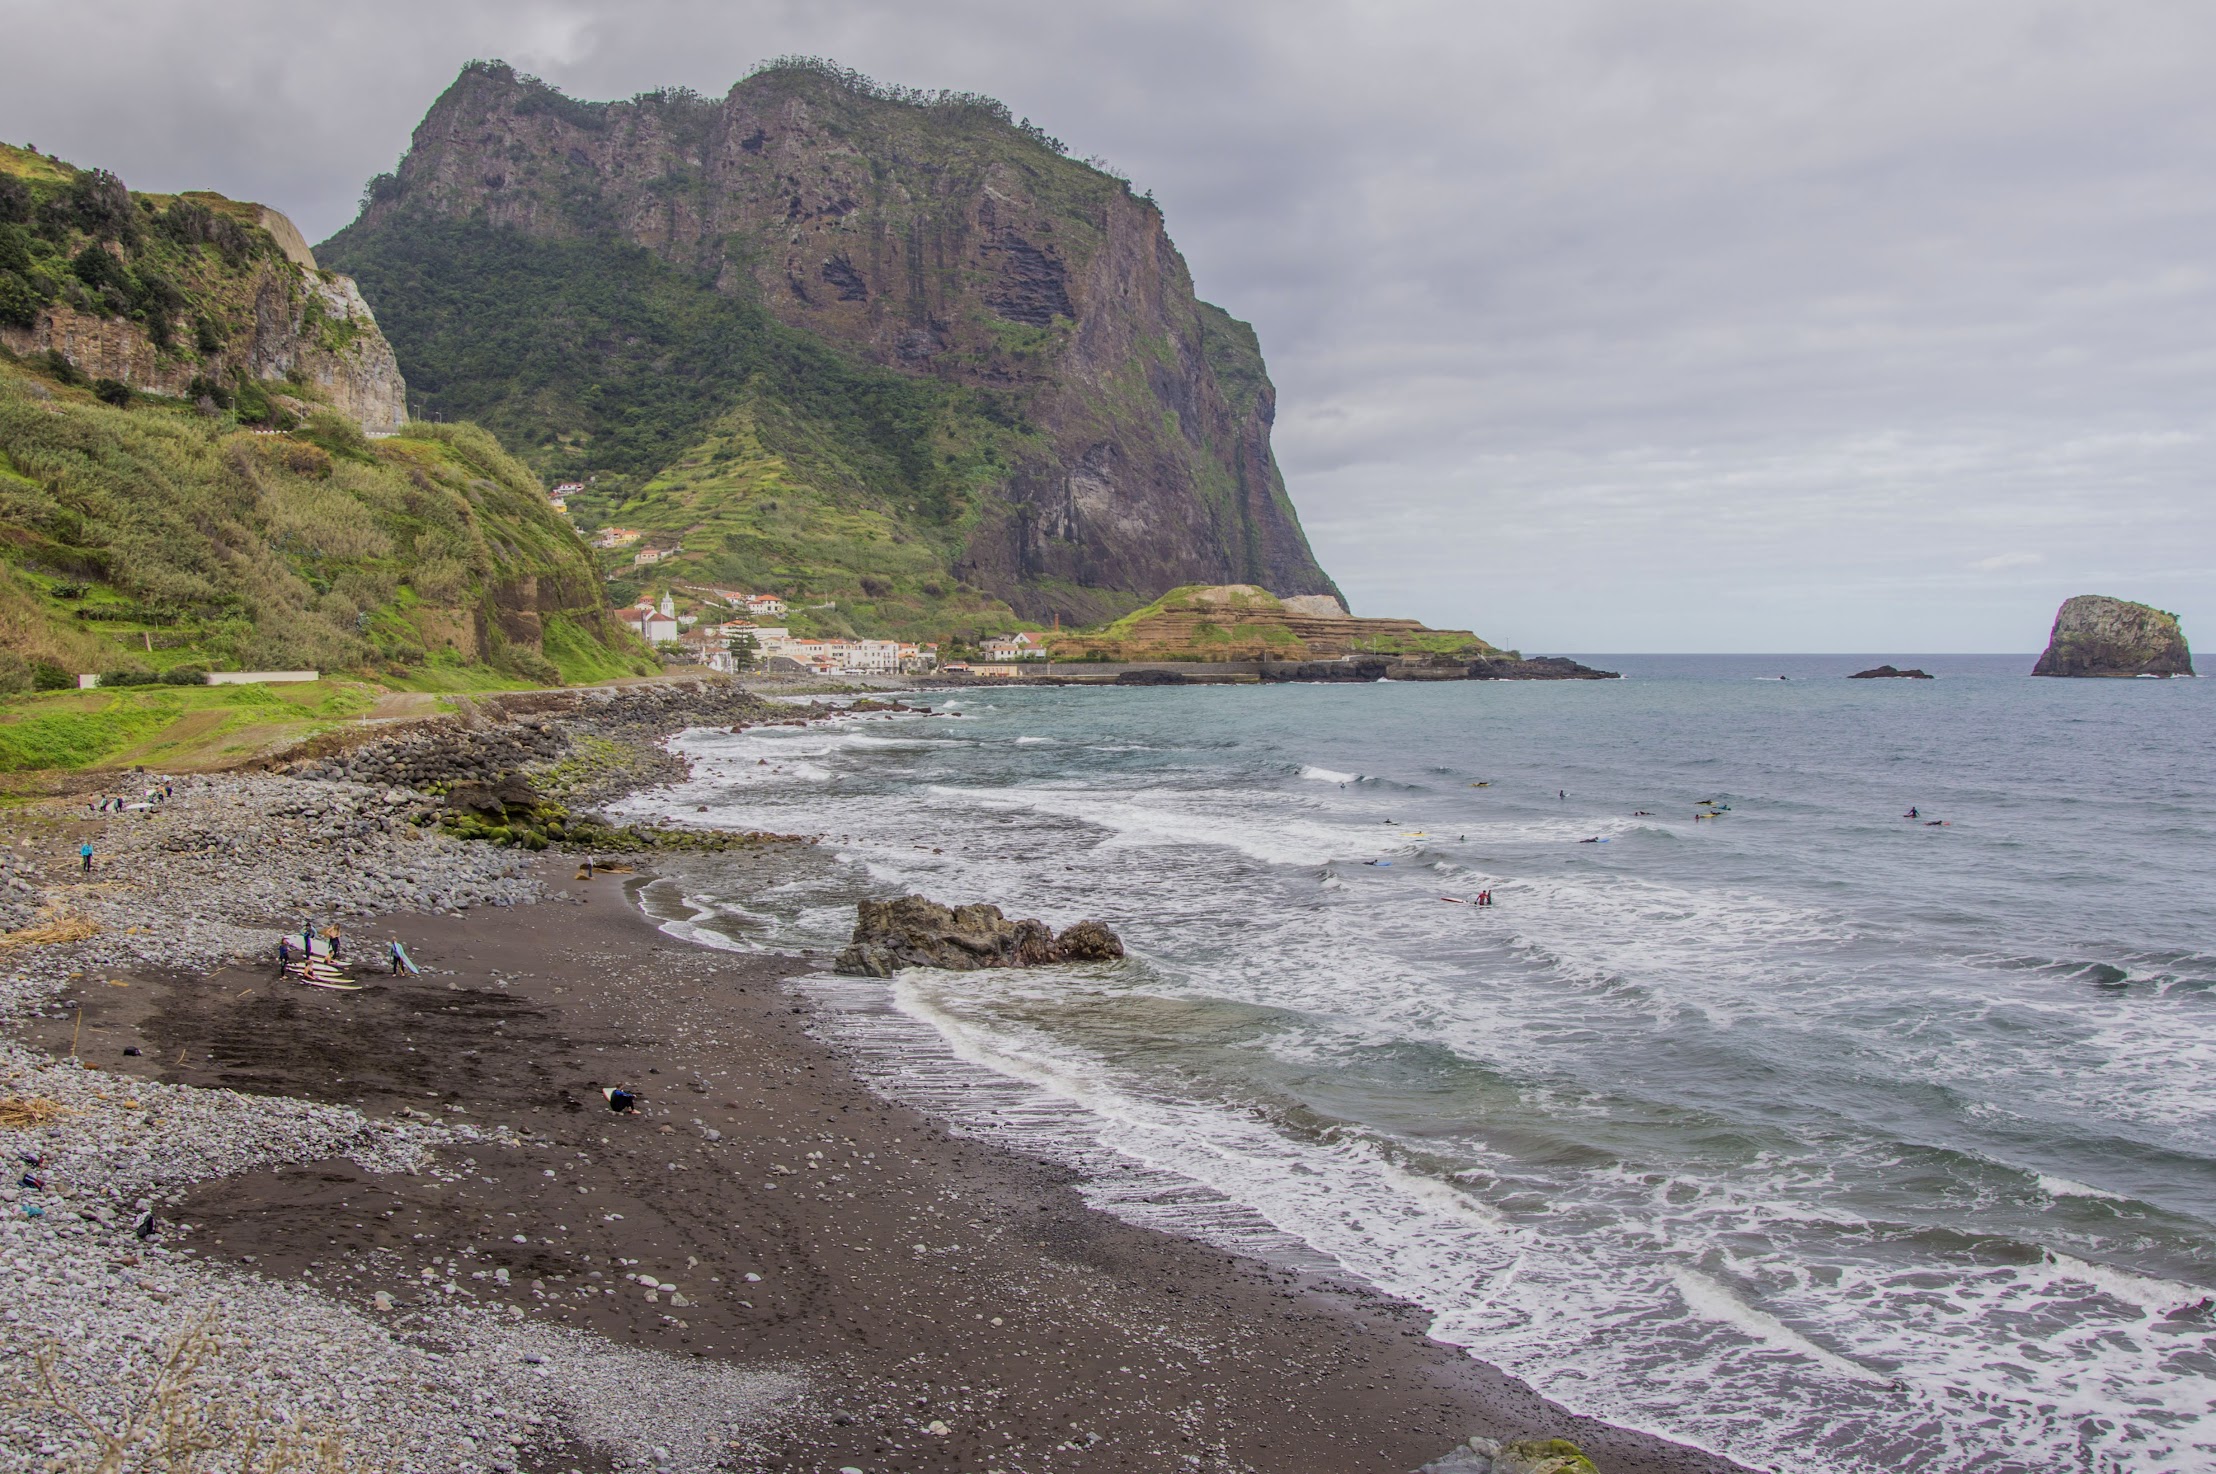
(764, 604)
(1023, 645)
(649, 623)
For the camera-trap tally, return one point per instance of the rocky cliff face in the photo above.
(932, 237)
(2097, 636)
(182, 295)
(299, 330)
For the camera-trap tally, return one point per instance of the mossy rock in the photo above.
(1542, 1456)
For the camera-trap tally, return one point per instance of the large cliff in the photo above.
(2098, 636)
(827, 296)
(183, 295)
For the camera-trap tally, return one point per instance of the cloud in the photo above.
(1596, 323)
(2001, 562)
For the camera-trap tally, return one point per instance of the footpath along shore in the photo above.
(403, 1221)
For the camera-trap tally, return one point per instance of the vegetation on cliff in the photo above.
(975, 366)
(1243, 622)
(192, 295)
(757, 453)
(161, 535)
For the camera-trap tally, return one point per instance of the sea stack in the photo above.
(2097, 636)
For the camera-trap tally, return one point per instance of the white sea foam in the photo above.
(1698, 1297)
(1328, 775)
(2063, 1187)
(1704, 1297)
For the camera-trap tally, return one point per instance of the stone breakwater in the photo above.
(95, 1293)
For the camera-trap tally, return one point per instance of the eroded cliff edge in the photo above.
(185, 295)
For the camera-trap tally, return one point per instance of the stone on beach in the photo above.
(1522, 1456)
(913, 931)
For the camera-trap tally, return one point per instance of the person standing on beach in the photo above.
(84, 855)
(284, 955)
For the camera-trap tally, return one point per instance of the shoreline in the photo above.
(1112, 1343)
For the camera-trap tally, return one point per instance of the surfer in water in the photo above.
(1912, 814)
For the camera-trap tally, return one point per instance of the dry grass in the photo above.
(59, 929)
(22, 1112)
(173, 1418)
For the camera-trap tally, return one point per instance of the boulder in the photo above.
(1889, 673)
(2098, 636)
(1522, 1456)
(915, 932)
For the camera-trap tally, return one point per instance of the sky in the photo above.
(1597, 325)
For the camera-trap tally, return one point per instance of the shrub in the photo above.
(185, 675)
(129, 676)
(15, 199)
(19, 300)
(254, 405)
(114, 391)
(100, 204)
(58, 364)
(337, 434)
(47, 676)
(98, 270)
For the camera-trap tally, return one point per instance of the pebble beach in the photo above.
(399, 1229)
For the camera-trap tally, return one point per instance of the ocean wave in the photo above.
(1328, 775)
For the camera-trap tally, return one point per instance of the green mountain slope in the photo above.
(159, 535)
(761, 453)
(930, 318)
(154, 350)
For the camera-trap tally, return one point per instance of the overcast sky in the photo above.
(1597, 325)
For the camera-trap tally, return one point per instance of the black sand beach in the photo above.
(919, 1282)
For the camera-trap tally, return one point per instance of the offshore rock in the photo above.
(2098, 636)
(915, 932)
(1889, 673)
(1538, 668)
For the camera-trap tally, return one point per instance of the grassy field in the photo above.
(171, 728)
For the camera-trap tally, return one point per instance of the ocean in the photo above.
(1753, 1113)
